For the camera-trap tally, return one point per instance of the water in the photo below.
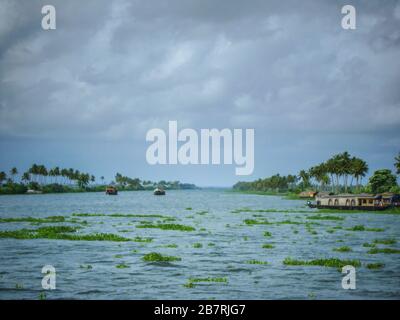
(234, 244)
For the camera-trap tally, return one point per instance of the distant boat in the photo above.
(159, 192)
(112, 191)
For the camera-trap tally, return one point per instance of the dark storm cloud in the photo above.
(115, 69)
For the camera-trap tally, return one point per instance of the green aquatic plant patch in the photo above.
(321, 217)
(363, 228)
(250, 222)
(268, 246)
(331, 262)
(51, 219)
(383, 250)
(158, 257)
(120, 215)
(140, 239)
(254, 261)
(166, 226)
(374, 266)
(385, 241)
(342, 249)
(60, 233)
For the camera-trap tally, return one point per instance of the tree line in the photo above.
(57, 179)
(38, 174)
(341, 172)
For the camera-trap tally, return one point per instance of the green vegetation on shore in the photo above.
(40, 179)
(335, 175)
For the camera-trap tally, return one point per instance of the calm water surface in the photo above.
(227, 244)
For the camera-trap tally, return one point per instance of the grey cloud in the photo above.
(115, 69)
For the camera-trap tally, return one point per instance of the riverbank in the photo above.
(284, 195)
(17, 188)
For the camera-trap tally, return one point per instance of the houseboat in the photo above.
(367, 202)
(111, 190)
(159, 192)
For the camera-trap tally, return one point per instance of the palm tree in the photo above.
(57, 173)
(397, 163)
(102, 179)
(3, 177)
(359, 169)
(305, 179)
(13, 173)
(26, 177)
(92, 178)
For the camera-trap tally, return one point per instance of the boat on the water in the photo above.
(367, 202)
(112, 191)
(159, 192)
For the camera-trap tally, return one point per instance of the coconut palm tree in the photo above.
(397, 163)
(359, 170)
(102, 179)
(13, 173)
(26, 177)
(3, 177)
(305, 179)
(57, 173)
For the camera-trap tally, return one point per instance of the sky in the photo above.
(85, 95)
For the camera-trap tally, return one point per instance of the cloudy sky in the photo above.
(84, 95)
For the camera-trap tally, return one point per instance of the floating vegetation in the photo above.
(118, 256)
(267, 234)
(158, 257)
(42, 296)
(288, 222)
(383, 250)
(140, 239)
(343, 249)
(256, 262)
(166, 226)
(211, 244)
(173, 245)
(189, 208)
(202, 212)
(208, 279)
(385, 241)
(122, 266)
(269, 210)
(374, 266)
(60, 233)
(86, 266)
(197, 245)
(250, 222)
(320, 217)
(120, 215)
(369, 245)
(268, 246)
(331, 262)
(330, 230)
(52, 219)
(363, 228)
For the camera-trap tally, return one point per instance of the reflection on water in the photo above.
(87, 269)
